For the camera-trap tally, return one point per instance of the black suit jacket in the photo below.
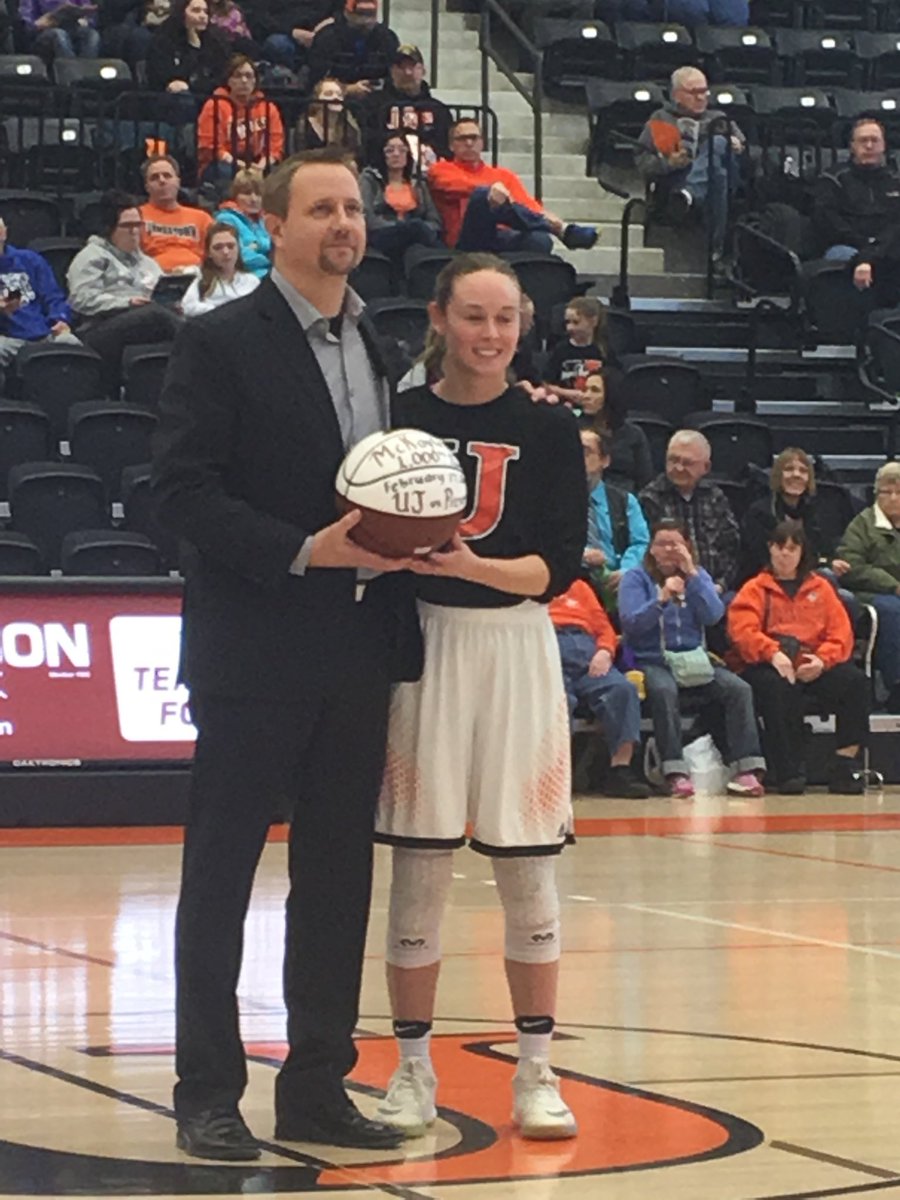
(245, 461)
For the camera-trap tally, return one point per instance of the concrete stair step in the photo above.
(554, 143)
(558, 169)
(650, 285)
(605, 260)
(453, 42)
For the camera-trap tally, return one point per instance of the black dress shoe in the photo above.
(344, 1126)
(217, 1133)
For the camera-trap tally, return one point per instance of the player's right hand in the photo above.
(333, 547)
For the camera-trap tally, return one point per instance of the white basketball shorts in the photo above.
(482, 739)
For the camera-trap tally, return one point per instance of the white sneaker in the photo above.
(409, 1102)
(538, 1109)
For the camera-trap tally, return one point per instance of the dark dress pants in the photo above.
(842, 690)
(322, 760)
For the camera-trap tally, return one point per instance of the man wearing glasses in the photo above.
(484, 207)
(674, 150)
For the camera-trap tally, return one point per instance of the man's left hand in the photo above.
(59, 328)
(600, 664)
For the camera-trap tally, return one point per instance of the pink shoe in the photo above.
(746, 784)
(680, 786)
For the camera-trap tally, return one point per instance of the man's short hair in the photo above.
(889, 473)
(681, 76)
(276, 187)
(466, 121)
(158, 158)
(690, 437)
(866, 121)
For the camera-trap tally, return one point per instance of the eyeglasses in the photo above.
(467, 137)
(130, 225)
(696, 91)
(677, 460)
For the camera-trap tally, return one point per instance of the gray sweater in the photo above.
(693, 133)
(103, 279)
(380, 214)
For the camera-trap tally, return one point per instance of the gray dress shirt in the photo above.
(361, 399)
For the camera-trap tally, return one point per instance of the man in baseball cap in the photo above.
(406, 105)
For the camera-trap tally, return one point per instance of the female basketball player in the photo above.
(483, 736)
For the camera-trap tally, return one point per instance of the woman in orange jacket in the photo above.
(792, 632)
(238, 127)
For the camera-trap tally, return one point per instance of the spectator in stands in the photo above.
(794, 634)
(173, 233)
(243, 212)
(617, 534)
(665, 605)
(603, 407)
(587, 648)
(856, 215)
(328, 121)
(686, 12)
(581, 353)
(228, 17)
(223, 276)
(33, 307)
(238, 127)
(355, 48)
(56, 29)
(871, 545)
(674, 150)
(111, 283)
(685, 496)
(287, 28)
(399, 209)
(186, 54)
(793, 496)
(488, 208)
(406, 105)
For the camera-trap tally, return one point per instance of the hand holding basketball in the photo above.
(454, 561)
(334, 546)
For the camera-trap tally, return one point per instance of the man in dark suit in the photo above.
(288, 665)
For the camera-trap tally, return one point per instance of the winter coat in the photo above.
(103, 279)
(762, 611)
(379, 213)
(871, 545)
(43, 302)
(253, 238)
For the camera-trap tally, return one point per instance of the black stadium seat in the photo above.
(547, 279)
(56, 377)
(29, 215)
(880, 52)
(19, 555)
(110, 437)
(617, 112)
(103, 74)
(818, 58)
(59, 252)
(25, 436)
(834, 510)
(374, 277)
(422, 270)
(670, 388)
(402, 319)
(143, 371)
(654, 51)
(109, 552)
(20, 70)
(658, 431)
(140, 513)
(734, 442)
(49, 500)
(737, 55)
(574, 51)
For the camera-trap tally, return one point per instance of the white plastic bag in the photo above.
(708, 772)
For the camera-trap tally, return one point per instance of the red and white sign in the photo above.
(91, 677)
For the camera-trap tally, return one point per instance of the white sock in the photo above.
(414, 1047)
(535, 1045)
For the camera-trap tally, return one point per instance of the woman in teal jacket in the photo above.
(243, 212)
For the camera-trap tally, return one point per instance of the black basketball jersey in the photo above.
(524, 470)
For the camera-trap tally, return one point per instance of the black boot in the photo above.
(845, 777)
(622, 784)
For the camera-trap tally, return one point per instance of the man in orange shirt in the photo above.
(488, 208)
(173, 234)
(587, 647)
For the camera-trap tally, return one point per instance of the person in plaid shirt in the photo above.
(684, 495)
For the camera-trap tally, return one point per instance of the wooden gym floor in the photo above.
(729, 1016)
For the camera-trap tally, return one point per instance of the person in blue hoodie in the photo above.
(664, 607)
(243, 212)
(33, 307)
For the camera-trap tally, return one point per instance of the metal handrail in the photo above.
(534, 98)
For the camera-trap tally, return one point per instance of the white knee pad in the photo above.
(527, 888)
(419, 886)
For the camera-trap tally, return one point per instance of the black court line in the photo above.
(295, 1156)
(835, 1160)
(857, 1189)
